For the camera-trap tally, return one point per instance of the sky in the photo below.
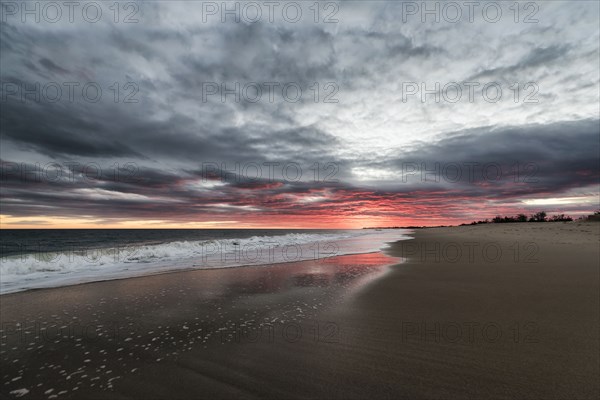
(190, 114)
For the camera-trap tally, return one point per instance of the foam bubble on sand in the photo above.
(19, 392)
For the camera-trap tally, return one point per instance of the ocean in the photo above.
(31, 259)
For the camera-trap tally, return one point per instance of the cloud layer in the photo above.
(378, 118)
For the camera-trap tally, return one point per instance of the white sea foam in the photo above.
(19, 392)
(29, 271)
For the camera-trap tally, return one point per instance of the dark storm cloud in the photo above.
(54, 131)
(564, 156)
(533, 158)
(77, 128)
(65, 131)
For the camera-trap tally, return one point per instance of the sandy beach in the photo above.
(486, 311)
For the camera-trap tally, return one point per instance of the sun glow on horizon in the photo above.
(287, 222)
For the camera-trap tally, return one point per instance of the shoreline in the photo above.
(184, 270)
(60, 269)
(349, 326)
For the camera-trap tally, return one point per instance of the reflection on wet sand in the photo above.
(95, 339)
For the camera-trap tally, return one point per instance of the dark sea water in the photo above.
(24, 241)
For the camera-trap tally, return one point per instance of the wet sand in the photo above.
(207, 333)
(489, 311)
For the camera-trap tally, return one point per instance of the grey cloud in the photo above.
(537, 57)
(49, 64)
(549, 158)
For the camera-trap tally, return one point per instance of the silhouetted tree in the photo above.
(538, 217)
(561, 217)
